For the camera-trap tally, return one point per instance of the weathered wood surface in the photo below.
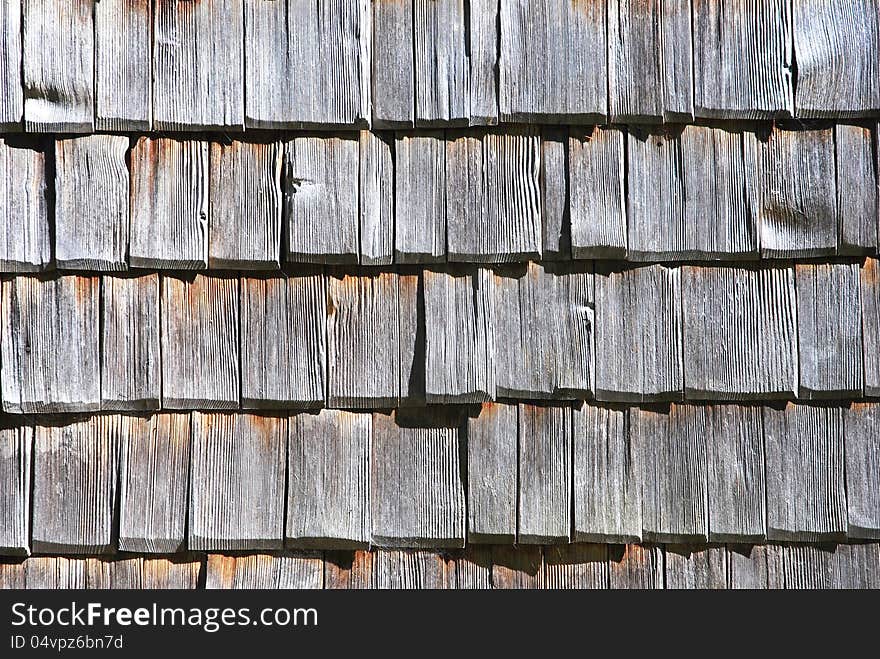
(493, 196)
(857, 207)
(575, 566)
(635, 567)
(840, 567)
(835, 46)
(736, 481)
(236, 494)
(123, 68)
(91, 203)
(416, 491)
(597, 202)
(323, 46)
(441, 66)
(459, 336)
(321, 199)
(25, 243)
(178, 572)
(555, 216)
(393, 71)
(420, 198)
(44, 572)
(675, 497)
(792, 192)
(198, 65)
(638, 333)
(483, 43)
(154, 459)
(49, 345)
(543, 322)
(473, 568)
(695, 568)
(607, 477)
(289, 570)
(130, 343)
(740, 333)
(862, 451)
(744, 51)
(11, 92)
(552, 64)
(169, 204)
(409, 569)
(244, 206)
(517, 567)
(58, 66)
(283, 341)
(806, 499)
(411, 321)
(200, 342)
(544, 502)
(492, 459)
(15, 490)
(755, 567)
(74, 492)
(377, 199)
(829, 324)
(328, 480)
(869, 285)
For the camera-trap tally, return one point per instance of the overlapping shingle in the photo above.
(16, 448)
(25, 243)
(862, 451)
(265, 571)
(420, 198)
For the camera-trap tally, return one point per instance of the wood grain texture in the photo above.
(596, 158)
(154, 458)
(607, 476)
(200, 342)
(517, 568)
(58, 66)
(377, 199)
(236, 494)
(492, 459)
(555, 216)
(91, 203)
(483, 55)
(74, 494)
(869, 285)
(745, 55)
(824, 568)
(393, 72)
(806, 501)
(363, 340)
(829, 330)
(473, 568)
(638, 333)
(441, 66)
(416, 491)
(543, 321)
(862, 452)
(552, 64)
(324, 46)
(740, 333)
(411, 322)
(283, 341)
(857, 207)
(198, 65)
(736, 482)
(15, 490)
(281, 571)
(169, 204)
(25, 243)
(493, 196)
(328, 474)
(688, 567)
(835, 45)
(635, 567)
(321, 199)
(409, 569)
(44, 573)
(575, 566)
(11, 92)
(50, 345)
(793, 194)
(130, 353)
(244, 206)
(544, 503)
(675, 492)
(755, 567)
(420, 198)
(459, 336)
(123, 66)
(178, 572)
(677, 60)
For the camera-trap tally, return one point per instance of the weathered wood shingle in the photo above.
(483, 53)
(393, 71)
(50, 344)
(635, 567)
(823, 567)
(328, 474)
(15, 490)
(91, 203)
(178, 572)
(575, 566)
(299, 570)
(11, 93)
(377, 199)
(862, 450)
(857, 207)
(154, 458)
(869, 284)
(492, 459)
(755, 567)
(200, 342)
(555, 215)
(695, 568)
(440, 56)
(420, 198)
(25, 245)
(198, 65)
(517, 567)
(236, 496)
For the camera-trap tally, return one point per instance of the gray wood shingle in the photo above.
(695, 568)
(178, 572)
(299, 570)
(377, 197)
(869, 284)
(483, 46)
(393, 71)
(857, 207)
(11, 92)
(840, 567)
(441, 66)
(517, 567)
(555, 216)
(420, 198)
(862, 452)
(15, 490)
(755, 567)
(575, 566)
(25, 244)
(492, 459)
(635, 567)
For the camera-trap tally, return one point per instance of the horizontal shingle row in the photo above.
(680, 193)
(229, 64)
(522, 473)
(382, 339)
(574, 566)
